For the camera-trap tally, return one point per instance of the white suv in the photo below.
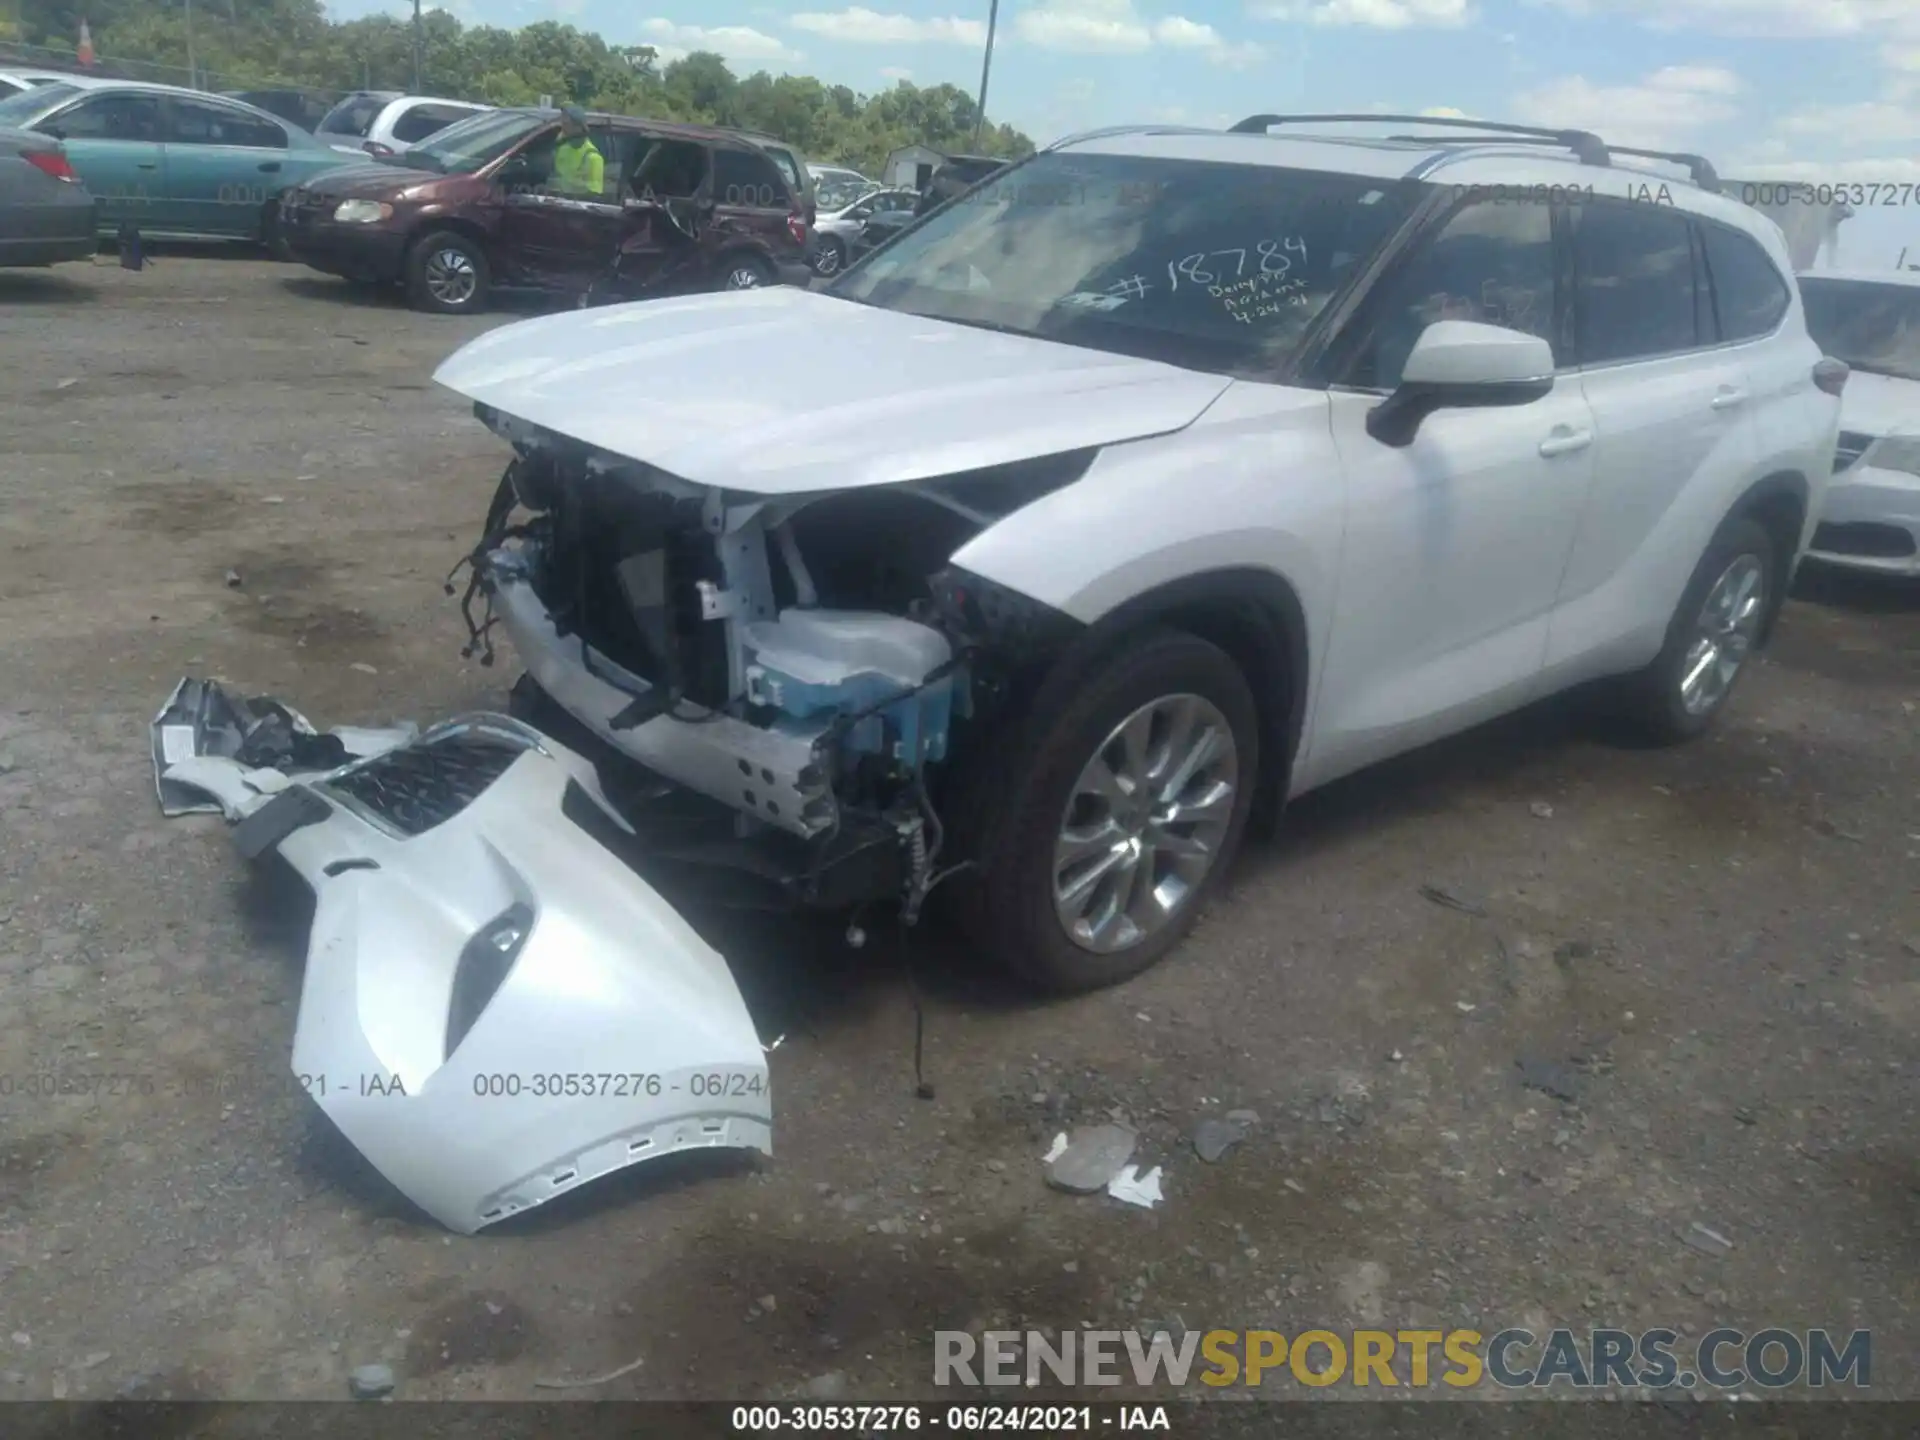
(382, 123)
(1166, 475)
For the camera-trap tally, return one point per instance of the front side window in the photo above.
(109, 117)
(1748, 292)
(1491, 262)
(1633, 282)
(1217, 267)
(353, 116)
(191, 122)
(417, 122)
(1874, 328)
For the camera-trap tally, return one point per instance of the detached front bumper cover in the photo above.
(496, 1008)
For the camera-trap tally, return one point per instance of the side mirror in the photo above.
(1458, 364)
(516, 171)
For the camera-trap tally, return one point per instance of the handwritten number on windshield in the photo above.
(1274, 256)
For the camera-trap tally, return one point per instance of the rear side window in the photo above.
(748, 179)
(420, 121)
(1748, 292)
(1633, 282)
(190, 122)
(108, 117)
(789, 167)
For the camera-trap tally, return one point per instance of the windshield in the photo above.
(29, 105)
(1874, 328)
(468, 145)
(1212, 266)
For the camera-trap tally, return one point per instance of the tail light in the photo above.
(797, 227)
(1830, 375)
(51, 162)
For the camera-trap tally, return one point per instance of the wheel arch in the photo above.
(1778, 502)
(1256, 616)
(743, 248)
(458, 224)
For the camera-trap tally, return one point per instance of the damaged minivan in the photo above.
(1162, 477)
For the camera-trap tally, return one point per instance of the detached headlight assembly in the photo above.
(361, 212)
(1894, 452)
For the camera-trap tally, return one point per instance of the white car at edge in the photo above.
(1871, 320)
(1168, 475)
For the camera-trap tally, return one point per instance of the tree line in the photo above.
(270, 43)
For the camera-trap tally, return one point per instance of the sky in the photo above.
(1824, 91)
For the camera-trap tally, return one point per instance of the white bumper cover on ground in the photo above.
(496, 1008)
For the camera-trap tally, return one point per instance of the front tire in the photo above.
(447, 274)
(1711, 637)
(1118, 814)
(831, 258)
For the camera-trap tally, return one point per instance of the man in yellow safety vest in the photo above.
(578, 168)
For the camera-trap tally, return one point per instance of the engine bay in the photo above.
(805, 663)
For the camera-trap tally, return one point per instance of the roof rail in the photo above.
(1590, 148)
(1700, 169)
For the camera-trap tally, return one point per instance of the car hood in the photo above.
(786, 391)
(1880, 404)
(371, 179)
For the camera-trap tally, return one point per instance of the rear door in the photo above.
(563, 242)
(114, 144)
(1673, 419)
(223, 165)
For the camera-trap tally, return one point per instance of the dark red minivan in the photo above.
(475, 207)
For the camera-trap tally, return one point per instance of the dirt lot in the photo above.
(1715, 951)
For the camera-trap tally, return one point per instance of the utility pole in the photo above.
(986, 68)
(416, 47)
(193, 69)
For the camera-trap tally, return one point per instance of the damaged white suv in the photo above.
(1164, 476)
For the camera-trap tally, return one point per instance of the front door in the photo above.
(556, 239)
(1455, 543)
(223, 165)
(114, 145)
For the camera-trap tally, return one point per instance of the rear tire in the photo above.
(745, 271)
(1710, 639)
(1095, 858)
(447, 274)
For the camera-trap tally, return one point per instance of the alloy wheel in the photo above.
(451, 277)
(1723, 635)
(743, 277)
(1144, 823)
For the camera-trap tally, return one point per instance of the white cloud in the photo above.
(1760, 18)
(1374, 14)
(735, 42)
(1115, 27)
(1660, 111)
(1859, 125)
(858, 26)
(1446, 112)
(1180, 115)
(894, 72)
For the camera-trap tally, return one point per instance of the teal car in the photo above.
(177, 164)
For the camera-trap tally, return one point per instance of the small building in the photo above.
(911, 167)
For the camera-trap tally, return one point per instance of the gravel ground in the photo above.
(1712, 951)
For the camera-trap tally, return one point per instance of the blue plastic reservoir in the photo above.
(810, 663)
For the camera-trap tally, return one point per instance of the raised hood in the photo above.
(784, 391)
(1880, 404)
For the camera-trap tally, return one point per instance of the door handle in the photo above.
(1565, 442)
(148, 165)
(1727, 398)
(270, 166)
